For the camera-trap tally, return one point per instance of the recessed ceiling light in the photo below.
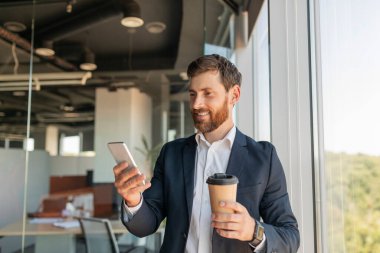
(14, 26)
(155, 27)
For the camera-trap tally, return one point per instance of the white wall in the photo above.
(12, 181)
(71, 165)
(123, 115)
(244, 109)
(12, 174)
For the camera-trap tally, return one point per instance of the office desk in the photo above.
(50, 238)
(15, 229)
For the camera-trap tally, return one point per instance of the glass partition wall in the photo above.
(16, 33)
(97, 76)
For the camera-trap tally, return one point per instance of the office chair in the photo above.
(99, 237)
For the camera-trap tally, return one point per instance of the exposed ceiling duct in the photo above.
(124, 60)
(26, 45)
(80, 22)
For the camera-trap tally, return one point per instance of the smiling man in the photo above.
(261, 218)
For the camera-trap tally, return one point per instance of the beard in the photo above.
(217, 118)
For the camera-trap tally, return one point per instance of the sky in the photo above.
(350, 40)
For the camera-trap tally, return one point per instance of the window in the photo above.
(349, 40)
(261, 76)
(70, 145)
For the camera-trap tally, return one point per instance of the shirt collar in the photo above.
(230, 137)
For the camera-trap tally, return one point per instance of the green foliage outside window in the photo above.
(353, 193)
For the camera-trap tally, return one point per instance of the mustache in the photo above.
(199, 110)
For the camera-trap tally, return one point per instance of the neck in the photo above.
(220, 132)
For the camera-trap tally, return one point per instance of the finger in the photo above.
(232, 226)
(236, 206)
(226, 217)
(119, 168)
(122, 178)
(134, 181)
(133, 191)
(228, 234)
(141, 188)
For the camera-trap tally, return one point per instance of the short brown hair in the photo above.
(228, 72)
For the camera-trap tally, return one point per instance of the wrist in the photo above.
(258, 234)
(132, 203)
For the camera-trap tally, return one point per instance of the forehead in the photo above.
(206, 80)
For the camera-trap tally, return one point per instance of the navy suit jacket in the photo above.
(261, 189)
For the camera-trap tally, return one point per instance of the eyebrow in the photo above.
(204, 89)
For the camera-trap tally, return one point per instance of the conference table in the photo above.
(49, 237)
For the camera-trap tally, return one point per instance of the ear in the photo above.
(235, 94)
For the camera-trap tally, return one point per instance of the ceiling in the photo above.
(63, 94)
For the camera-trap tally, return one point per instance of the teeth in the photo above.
(202, 113)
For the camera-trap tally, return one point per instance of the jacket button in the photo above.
(184, 235)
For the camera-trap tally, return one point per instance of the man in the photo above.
(178, 189)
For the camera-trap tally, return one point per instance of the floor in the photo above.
(81, 248)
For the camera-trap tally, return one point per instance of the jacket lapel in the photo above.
(188, 171)
(238, 153)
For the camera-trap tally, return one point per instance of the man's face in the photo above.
(209, 101)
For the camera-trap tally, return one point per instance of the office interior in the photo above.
(76, 74)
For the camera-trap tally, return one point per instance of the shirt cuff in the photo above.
(260, 246)
(129, 212)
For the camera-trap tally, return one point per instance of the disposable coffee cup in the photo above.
(222, 187)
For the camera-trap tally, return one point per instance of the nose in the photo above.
(197, 102)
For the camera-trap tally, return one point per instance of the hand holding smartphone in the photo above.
(120, 153)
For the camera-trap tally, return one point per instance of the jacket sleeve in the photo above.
(280, 224)
(148, 218)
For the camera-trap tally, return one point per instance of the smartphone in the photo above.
(120, 153)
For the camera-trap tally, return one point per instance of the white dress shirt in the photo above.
(209, 159)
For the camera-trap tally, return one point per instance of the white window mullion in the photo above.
(291, 106)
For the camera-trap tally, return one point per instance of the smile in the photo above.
(202, 113)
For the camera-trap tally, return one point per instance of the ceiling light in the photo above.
(69, 5)
(45, 76)
(67, 107)
(132, 14)
(14, 26)
(89, 61)
(20, 82)
(155, 27)
(46, 49)
(88, 66)
(19, 93)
